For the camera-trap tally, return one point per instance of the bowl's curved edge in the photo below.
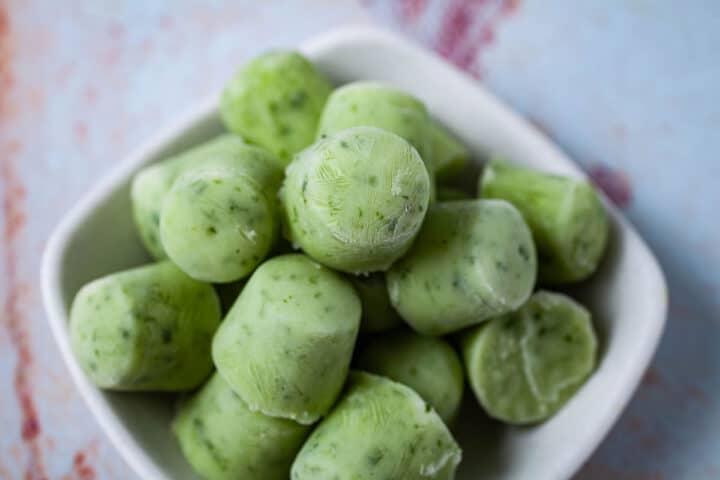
(647, 349)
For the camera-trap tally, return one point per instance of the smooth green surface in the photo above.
(286, 344)
(220, 219)
(428, 365)
(151, 184)
(355, 200)
(375, 104)
(380, 429)
(275, 101)
(472, 260)
(449, 154)
(224, 440)
(378, 313)
(524, 366)
(568, 221)
(145, 329)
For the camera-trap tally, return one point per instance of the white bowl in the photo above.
(628, 296)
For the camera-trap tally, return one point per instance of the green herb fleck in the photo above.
(167, 335)
(297, 99)
(375, 456)
(199, 186)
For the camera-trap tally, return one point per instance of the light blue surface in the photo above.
(627, 84)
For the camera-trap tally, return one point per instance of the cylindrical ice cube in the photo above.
(472, 260)
(525, 365)
(355, 200)
(275, 101)
(568, 221)
(428, 365)
(224, 440)
(220, 218)
(380, 429)
(148, 328)
(286, 344)
(151, 184)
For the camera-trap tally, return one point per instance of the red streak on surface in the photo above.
(652, 378)
(455, 28)
(712, 471)
(6, 77)
(81, 131)
(412, 9)
(12, 204)
(469, 27)
(91, 95)
(5, 473)
(635, 424)
(699, 396)
(147, 45)
(166, 22)
(81, 468)
(111, 56)
(13, 199)
(619, 133)
(116, 31)
(614, 183)
(541, 125)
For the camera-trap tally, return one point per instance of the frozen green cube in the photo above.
(145, 329)
(224, 440)
(220, 218)
(379, 429)
(473, 259)
(286, 344)
(568, 221)
(151, 184)
(275, 101)
(525, 365)
(374, 104)
(355, 200)
(428, 365)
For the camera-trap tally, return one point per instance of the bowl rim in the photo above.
(58, 241)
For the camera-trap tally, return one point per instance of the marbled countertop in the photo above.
(628, 87)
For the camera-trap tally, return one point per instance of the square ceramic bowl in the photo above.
(627, 296)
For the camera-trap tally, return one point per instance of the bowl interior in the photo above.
(627, 296)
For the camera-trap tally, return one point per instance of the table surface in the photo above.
(627, 87)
